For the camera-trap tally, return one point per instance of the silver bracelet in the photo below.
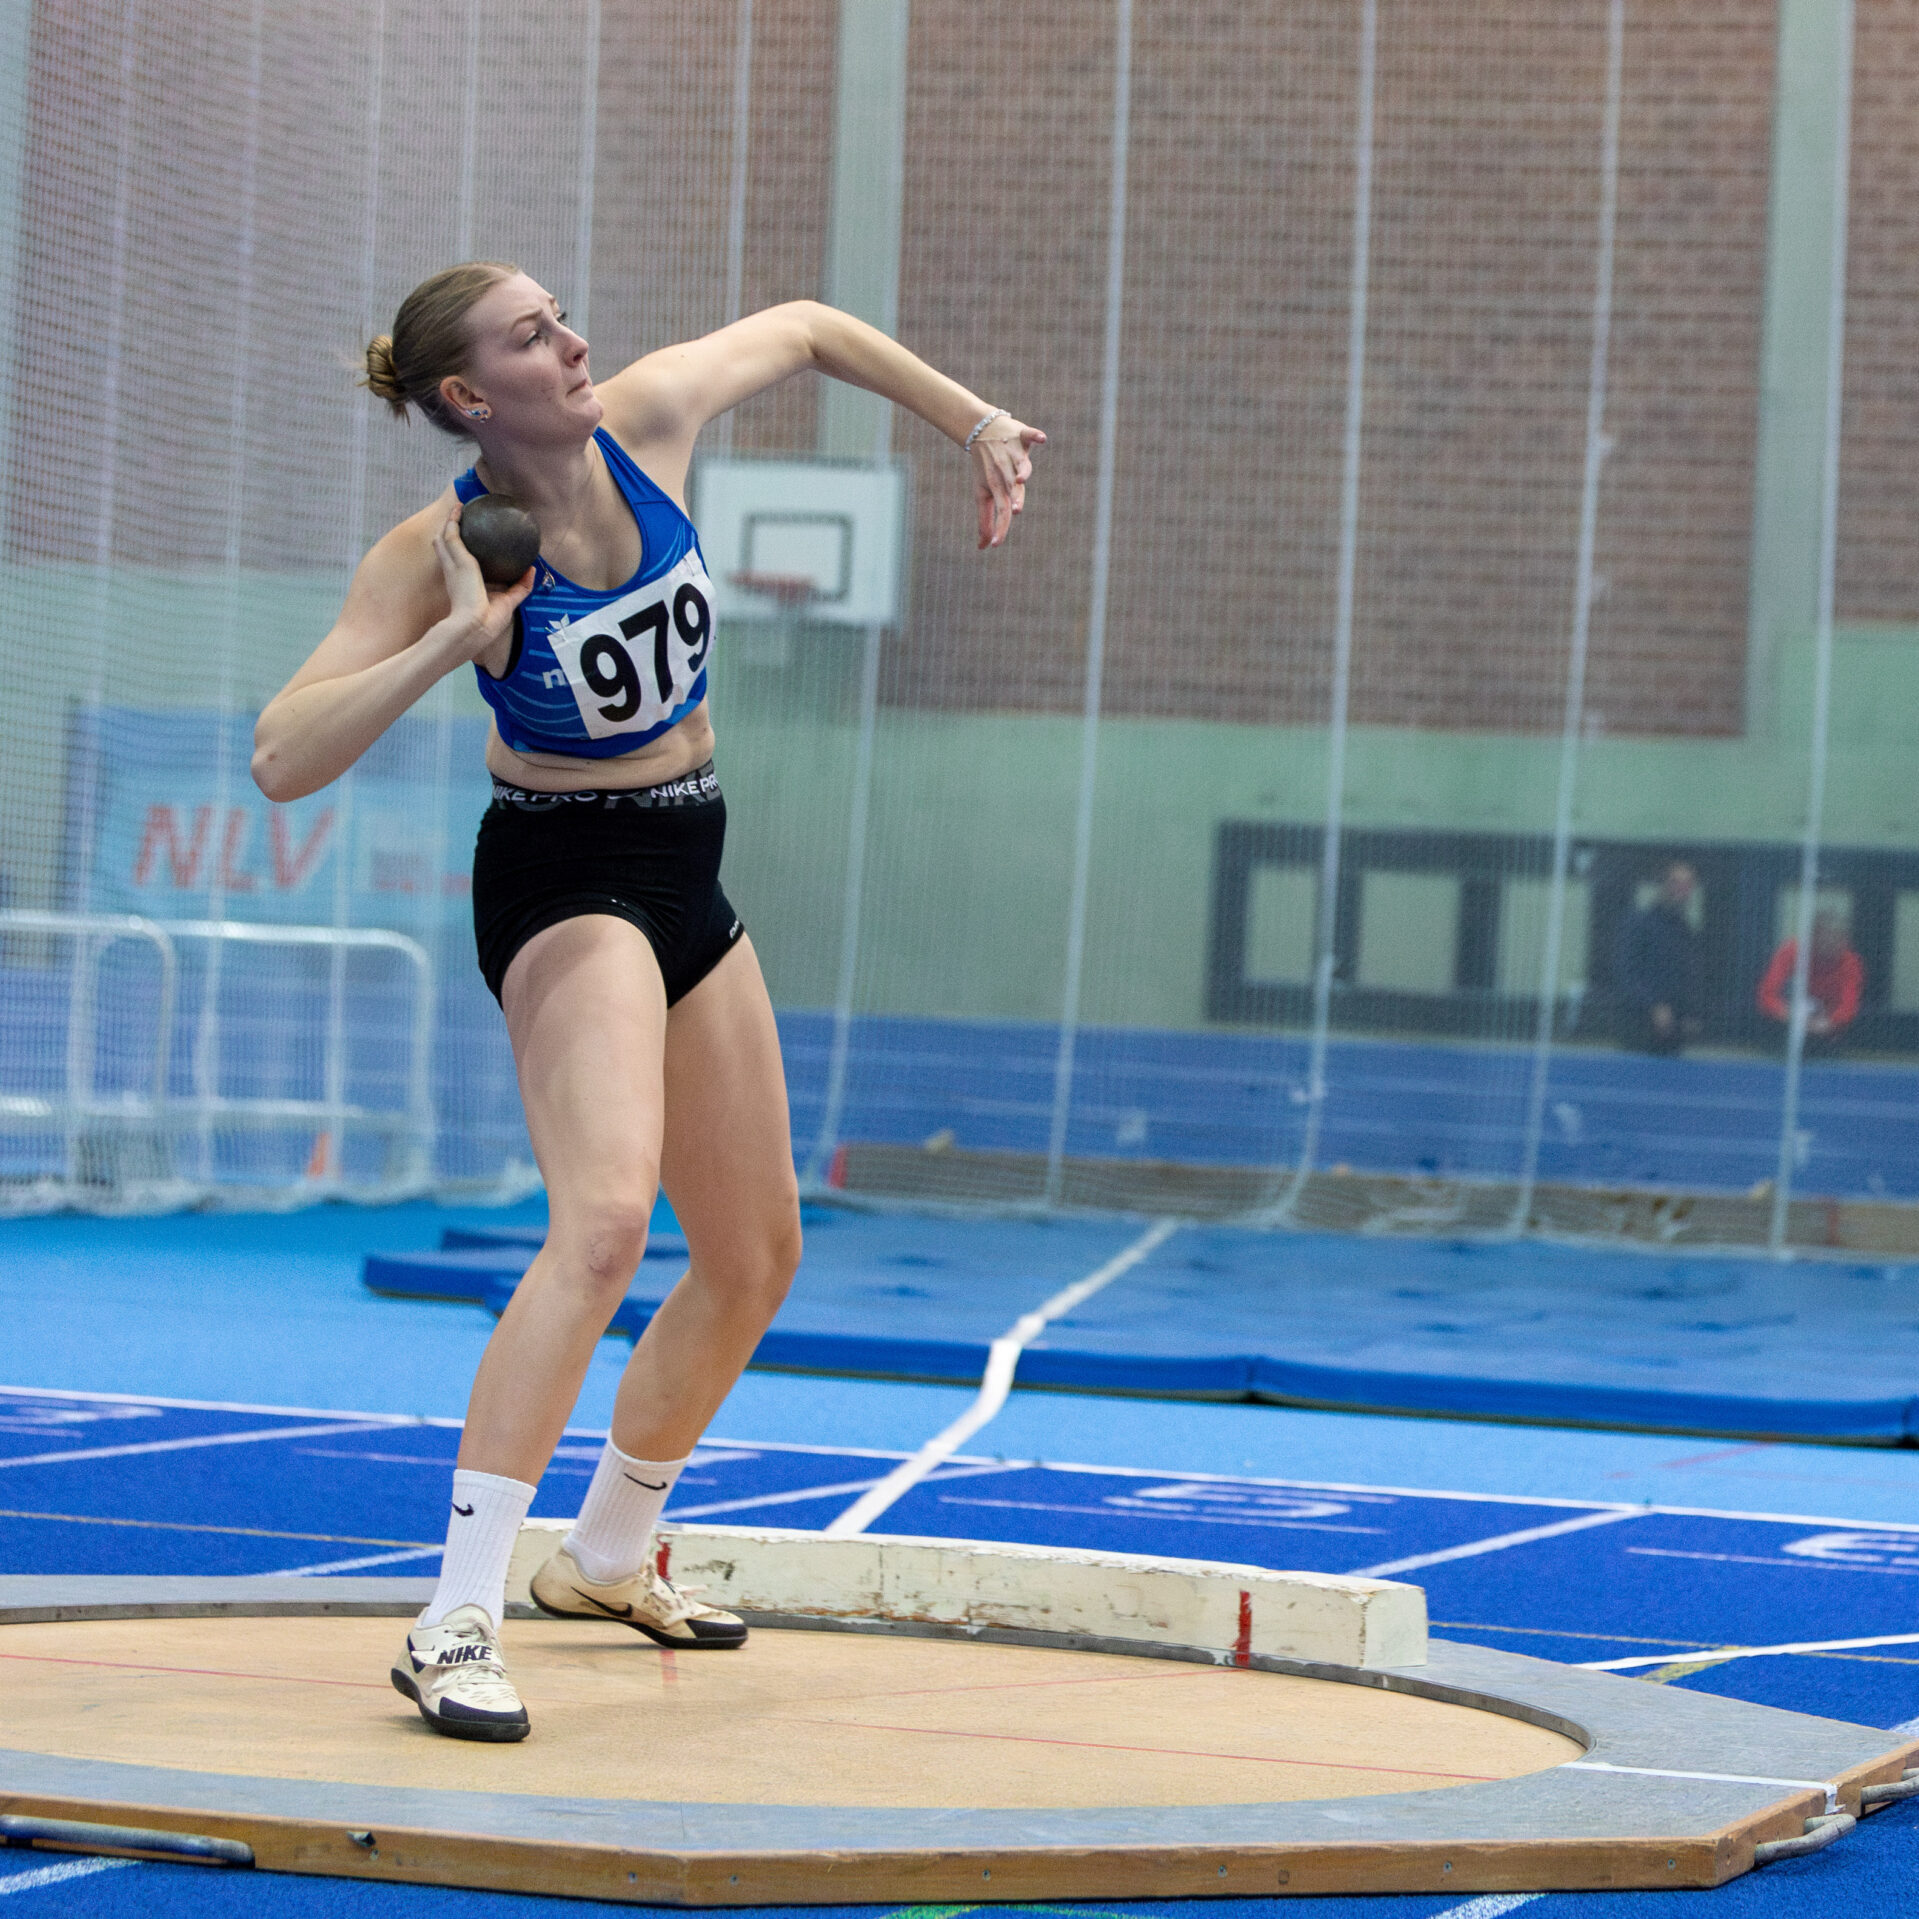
(998, 413)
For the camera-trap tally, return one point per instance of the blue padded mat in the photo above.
(529, 1239)
(1519, 1331)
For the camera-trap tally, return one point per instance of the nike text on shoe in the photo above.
(669, 1615)
(452, 1672)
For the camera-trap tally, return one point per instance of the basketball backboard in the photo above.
(823, 533)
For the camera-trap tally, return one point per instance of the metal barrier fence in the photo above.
(134, 1138)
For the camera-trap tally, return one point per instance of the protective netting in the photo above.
(1451, 530)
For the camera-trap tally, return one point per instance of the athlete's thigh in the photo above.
(727, 1165)
(586, 1011)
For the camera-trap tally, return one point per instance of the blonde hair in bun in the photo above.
(429, 342)
(381, 379)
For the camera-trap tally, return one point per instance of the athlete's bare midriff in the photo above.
(688, 746)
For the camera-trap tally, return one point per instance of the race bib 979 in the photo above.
(630, 664)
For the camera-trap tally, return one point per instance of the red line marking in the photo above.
(836, 1168)
(1704, 1459)
(1165, 1752)
(1243, 1645)
(199, 1672)
(1034, 1685)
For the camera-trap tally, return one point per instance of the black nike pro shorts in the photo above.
(650, 856)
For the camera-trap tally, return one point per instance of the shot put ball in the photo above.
(504, 539)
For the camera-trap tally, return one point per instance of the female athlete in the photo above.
(640, 1025)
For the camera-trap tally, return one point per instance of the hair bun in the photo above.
(382, 377)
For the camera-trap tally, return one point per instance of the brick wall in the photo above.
(1878, 561)
(1234, 316)
(1237, 274)
(206, 377)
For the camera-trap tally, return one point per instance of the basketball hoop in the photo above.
(781, 599)
(788, 592)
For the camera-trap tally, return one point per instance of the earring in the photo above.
(479, 413)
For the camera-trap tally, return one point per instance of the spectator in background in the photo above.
(1656, 968)
(1834, 981)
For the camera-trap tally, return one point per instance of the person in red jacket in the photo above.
(1834, 982)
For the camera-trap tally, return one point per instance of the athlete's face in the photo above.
(528, 367)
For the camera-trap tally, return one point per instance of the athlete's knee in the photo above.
(783, 1249)
(774, 1259)
(607, 1238)
(756, 1270)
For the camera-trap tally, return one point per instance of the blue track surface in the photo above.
(121, 1487)
(1525, 1331)
(1240, 1099)
(1680, 1545)
(94, 1486)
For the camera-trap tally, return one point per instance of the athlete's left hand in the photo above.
(1002, 459)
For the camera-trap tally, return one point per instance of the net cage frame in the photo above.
(687, 186)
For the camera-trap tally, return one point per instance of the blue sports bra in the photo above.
(593, 675)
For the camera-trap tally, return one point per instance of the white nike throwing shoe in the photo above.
(453, 1673)
(666, 1613)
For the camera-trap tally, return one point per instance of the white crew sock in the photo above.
(609, 1539)
(485, 1522)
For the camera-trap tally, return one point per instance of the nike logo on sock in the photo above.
(465, 1512)
(647, 1483)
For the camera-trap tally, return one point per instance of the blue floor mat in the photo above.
(1520, 1331)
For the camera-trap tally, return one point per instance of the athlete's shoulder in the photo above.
(408, 547)
(400, 569)
(643, 402)
(669, 394)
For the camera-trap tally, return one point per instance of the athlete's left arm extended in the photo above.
(659, 404)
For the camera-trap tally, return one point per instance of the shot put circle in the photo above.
(911, 1721)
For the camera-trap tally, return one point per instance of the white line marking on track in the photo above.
(1717, 1778)
(800, 1494)
(796, 1446)
(1001, 1364)
(182, 1445)
(1718, 1653)
(442, 1460)
(1490, 1905)
(1783, 1519)
(1758, 1559)
(351, 1565)
(455, 1425)
(1050, 1465)
(1465, 1498)
(1137, 1512)
(795, 1496)
(1906, 1729)
(1331, 1486)
(1500, 1542)
(1443, 1492)
(58, 1875)
(229, 1406)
